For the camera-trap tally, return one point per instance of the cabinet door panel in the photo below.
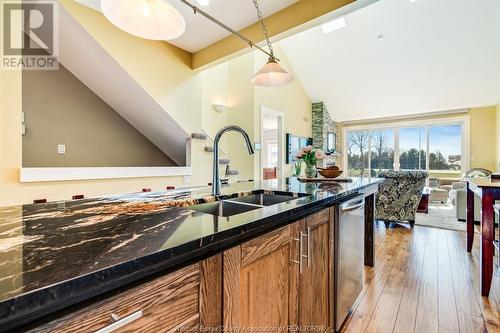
(265, 287)
(261, 246)
(314, 295)
(259, 283)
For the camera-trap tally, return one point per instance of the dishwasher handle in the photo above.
(353, 205)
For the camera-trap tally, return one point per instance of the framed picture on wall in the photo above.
(293, 145)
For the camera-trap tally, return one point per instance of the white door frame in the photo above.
(281, 139)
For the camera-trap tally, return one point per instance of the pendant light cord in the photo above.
(264, 29)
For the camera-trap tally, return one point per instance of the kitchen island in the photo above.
(62, 258)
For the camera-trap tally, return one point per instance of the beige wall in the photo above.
(241, 113)
(482, 134)
(292, 100)
(14, 192)
(164, 71)
(59, 109)
(483, 137)
(244, 102)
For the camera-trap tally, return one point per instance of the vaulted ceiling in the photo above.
(403, 57)
(200, 32)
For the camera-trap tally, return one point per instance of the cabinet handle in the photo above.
(301, 249)
(118, 323)
(309, 246)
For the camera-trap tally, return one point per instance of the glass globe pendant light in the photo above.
(150, 19)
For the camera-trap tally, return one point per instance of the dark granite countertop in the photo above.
(57, 254)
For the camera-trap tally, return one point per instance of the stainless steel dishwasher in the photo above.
(349, 263)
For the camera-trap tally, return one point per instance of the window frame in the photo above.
(427, 123)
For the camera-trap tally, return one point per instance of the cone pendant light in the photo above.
(150, 19)
(271, 74)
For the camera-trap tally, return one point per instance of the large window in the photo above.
(438, 148)
(445, 144)
(358, 146)
(412, 148)
(370, 151)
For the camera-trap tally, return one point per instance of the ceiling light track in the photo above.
(158, 20)
(198, 10)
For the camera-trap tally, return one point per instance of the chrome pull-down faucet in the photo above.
(216, 184)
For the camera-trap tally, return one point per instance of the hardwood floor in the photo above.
(424, 281)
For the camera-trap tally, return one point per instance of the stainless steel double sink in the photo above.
(230, 207)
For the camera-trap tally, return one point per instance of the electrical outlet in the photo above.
(61, 149)
(186, 180)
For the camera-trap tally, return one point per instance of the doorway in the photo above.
(271, 153)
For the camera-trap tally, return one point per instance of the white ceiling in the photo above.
(200, 32)
(435, 55)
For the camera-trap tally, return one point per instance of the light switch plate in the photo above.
(186, 180)
(61, 149)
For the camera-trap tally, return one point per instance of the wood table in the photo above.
(488, 191)
(496, 242)
(423, 205)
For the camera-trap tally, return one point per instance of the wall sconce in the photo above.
(219, 107)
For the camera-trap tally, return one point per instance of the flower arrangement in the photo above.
(310, 156)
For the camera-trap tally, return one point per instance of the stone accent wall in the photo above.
(322, 124)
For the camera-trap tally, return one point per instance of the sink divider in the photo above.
(244, 203)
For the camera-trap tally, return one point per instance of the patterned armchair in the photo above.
(399, 196)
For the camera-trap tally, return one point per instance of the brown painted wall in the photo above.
(60, 109)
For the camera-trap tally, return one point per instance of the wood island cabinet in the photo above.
(281, 279)
(314, 295)
(272, 283)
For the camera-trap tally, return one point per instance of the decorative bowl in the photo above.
(330, 173)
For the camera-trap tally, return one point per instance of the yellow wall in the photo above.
(483, 138)
(164, 71)
(12, 191)
(241, 113)
(292, 100)
(483, 133)
(94, 134)
(244, 102)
